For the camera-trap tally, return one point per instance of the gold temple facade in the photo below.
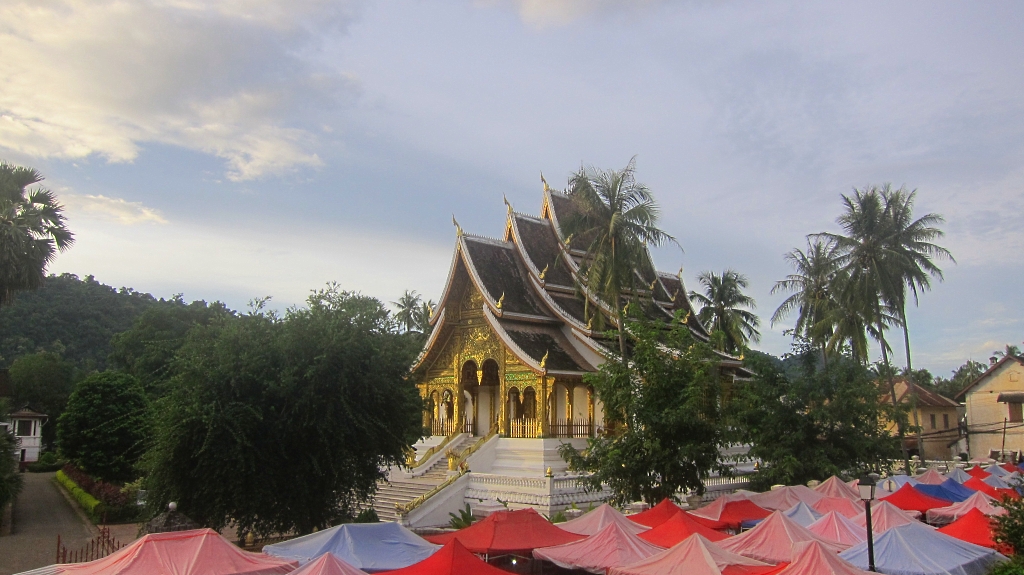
(512, 334)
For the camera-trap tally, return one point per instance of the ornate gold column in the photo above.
(541, 394)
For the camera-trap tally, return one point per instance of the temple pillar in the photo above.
(542, 407)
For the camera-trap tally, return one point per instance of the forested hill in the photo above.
(70, 316)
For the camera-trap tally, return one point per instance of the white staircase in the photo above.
(404, 490)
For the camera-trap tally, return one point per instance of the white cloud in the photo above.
(550, 13)
(105, 77)
(116, 209)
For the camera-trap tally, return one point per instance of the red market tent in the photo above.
(591, 522)
(977, 471)
(838, 529)
(328, 564)
(732, 512)
(613, 546)
(519, 531)
(974, 527)
(656, 515)
(681, 526)
(1010, 467)
(452, 559)
(193, 552)
(885, 516)
(783, 498)
(835, 487)
(813, 558)
(994, 492)
(773, 539)
(841, 505)
(979, 501)
(696, 556)
(909, 499)
(931, 477)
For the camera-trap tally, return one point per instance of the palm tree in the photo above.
(422, 317)
(812, 297)
(1010, 351)
(721, 309)
(408, 307)
(32, 230)
(616, 216)
(910, 241)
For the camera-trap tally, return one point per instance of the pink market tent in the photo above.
(591, 522)
(773, 539)
(885, 516)
(841, 505)
(680, 527)
(838, 529)
(814, 558)
(452, 559)
(193, 552)
(656, 515)
(783, 498)
(979, 501)
(695, 556)
(835, 487)
(613, 546)
(931, 477)
(910, 499)
(328, 564)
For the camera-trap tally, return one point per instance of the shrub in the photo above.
(118, 504)
(92, 506)
(367, 515)
(48, 462)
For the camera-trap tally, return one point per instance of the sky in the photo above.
(247, 148)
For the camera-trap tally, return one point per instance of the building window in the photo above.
(945, 421)
(24, 428)
(1015, 412)
(932, 417)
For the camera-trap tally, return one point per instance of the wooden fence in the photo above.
(98, 548)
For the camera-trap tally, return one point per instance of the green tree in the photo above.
(812, 422)
(104, 427)
(10, 479)
(408, 306)
(32, 230)
(285, 423)
(148, 348)
(812, 298)
(722, 310)
(662, 408)
(1009, 351)
(423, 315)
(962, 376)
(44, 382)
(614, 220)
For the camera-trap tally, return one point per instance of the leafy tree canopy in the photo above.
(73, 317)
(104, 426)
(284, 423)
(812, 422)
(663, 411)
(42, 381)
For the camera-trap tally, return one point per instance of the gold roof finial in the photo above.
(544, 360)
(545, 182)
(652, 284)
(568, 239)
(543, 272)
(501, 300)
(507, 203)
(458, 228)
(687, 317)
(590, 323)
(625, 309)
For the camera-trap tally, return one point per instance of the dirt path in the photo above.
(40, 514)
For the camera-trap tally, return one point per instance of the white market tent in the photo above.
(914, 549)
(368, 546)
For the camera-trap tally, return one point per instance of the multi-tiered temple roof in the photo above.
(525, 286)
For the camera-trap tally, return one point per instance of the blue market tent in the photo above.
(802, 513)
(948, 489)
(368, 546)
(916, 549)
(959, 475)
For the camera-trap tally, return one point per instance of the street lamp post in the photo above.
(866, 485)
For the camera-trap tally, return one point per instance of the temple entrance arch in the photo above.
(487, 397)
(469, 389)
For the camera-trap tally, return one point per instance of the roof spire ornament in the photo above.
(545, 182)
(544, 360)
(501, 300)
(507, 203)
(458, 228)
(590, 324)
(652, 284)
(543, 272)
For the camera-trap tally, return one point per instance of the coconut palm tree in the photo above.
(32, 230)
(422, 317)
(721, 309)
(812, 297)
(408, 307)
(910, 241)
(617, 219)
